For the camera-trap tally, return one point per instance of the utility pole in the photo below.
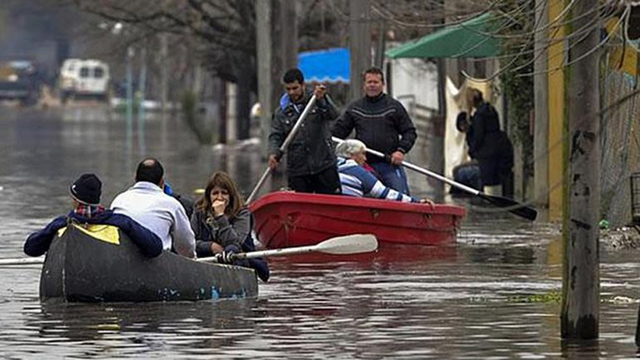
(359, 44)
(435, 145)
(287, 37)
(265, 61)
(164, 71)
(142, 86)
(579, 318)
(541, 109)
(277, 51)
(381, 44)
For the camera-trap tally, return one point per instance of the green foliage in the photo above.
(549, 297)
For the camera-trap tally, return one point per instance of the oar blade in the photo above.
(512, 206)
(350, 244)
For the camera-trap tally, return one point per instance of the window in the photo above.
(98, 72)
(84, 72)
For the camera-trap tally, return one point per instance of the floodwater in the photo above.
(492, 296)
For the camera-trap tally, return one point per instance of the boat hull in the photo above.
(286, 219)
(81, 268)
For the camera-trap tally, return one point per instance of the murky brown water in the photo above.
(470, 301)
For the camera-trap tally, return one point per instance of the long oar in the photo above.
(509, 204)
(22, 261)
(283, 147)
(342, 245)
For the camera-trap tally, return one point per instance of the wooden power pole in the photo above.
(541, 108)
(579, 318)
(359, 44)
(277, 45)
(264, 64)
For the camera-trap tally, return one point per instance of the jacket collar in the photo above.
(145, 185)
(285, 100)
(375, 98)
(343, 162)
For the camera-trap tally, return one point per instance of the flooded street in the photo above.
(495, 295)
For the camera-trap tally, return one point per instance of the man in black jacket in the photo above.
(311, 162)
(382, 123)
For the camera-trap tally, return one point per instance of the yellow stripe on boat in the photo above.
(106, 233)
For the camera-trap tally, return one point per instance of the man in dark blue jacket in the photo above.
(382, 124)
(87, 211)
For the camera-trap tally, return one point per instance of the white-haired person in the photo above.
(357, 181)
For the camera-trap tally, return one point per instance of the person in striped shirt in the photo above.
(357, 181)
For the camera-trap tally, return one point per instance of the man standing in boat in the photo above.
(147, 204)
(382, 123)
(311, 162)
(87, 212)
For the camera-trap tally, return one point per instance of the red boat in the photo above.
(286, 219)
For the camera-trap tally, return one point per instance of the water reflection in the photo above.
(473, 300)
(581, 349)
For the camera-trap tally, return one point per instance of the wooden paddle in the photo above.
(22, 261)
(342, 245)
(506, 203)
(283, 147)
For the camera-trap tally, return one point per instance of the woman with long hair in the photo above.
(220, 218)
(222, 222)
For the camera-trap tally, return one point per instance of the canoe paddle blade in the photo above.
(512, 206)
(350, 244)
(341, 245)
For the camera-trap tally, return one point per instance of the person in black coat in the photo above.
(87, 211)
(382, 124)
(487, 143)
(311, 162)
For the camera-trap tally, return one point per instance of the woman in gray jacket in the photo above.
(221, 223)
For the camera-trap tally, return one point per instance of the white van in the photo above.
(84, 78)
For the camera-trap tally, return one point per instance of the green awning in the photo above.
(471, 38)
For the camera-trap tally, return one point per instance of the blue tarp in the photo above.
(331, 65)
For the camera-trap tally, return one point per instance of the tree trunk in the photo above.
(243, 103)
(581, 282)
(264, 59)
(359, 44)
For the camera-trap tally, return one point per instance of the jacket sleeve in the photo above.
(327, 108)
(406, 129)
(203, 241)
(344, 125)
(148, 242)
(234, 232)
(38, 243)
(277, 135)
(477, 138)
(373, 188)
(195, 220)
(183, 239)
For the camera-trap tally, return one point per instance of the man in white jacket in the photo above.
(146, 203)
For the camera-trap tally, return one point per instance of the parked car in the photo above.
(84, 78)
(19, 80)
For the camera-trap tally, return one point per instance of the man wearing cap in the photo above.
(146, 203)
(85, 192)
